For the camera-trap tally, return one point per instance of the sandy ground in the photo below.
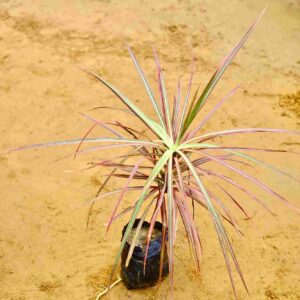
(45, 251)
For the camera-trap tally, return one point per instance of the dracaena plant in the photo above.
(173, 164)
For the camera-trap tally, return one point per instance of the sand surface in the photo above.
(45, 251)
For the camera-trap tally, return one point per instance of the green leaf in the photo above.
(224, 241)
(155, 127)
(202, 188)
(138, 229)
(163, 93)
(147, 87)
(217, 75)
(156, 169)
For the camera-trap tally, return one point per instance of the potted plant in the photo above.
(171, 162)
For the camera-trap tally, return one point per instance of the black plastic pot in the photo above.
(133, 276)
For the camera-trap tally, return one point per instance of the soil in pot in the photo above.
(133, 276)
